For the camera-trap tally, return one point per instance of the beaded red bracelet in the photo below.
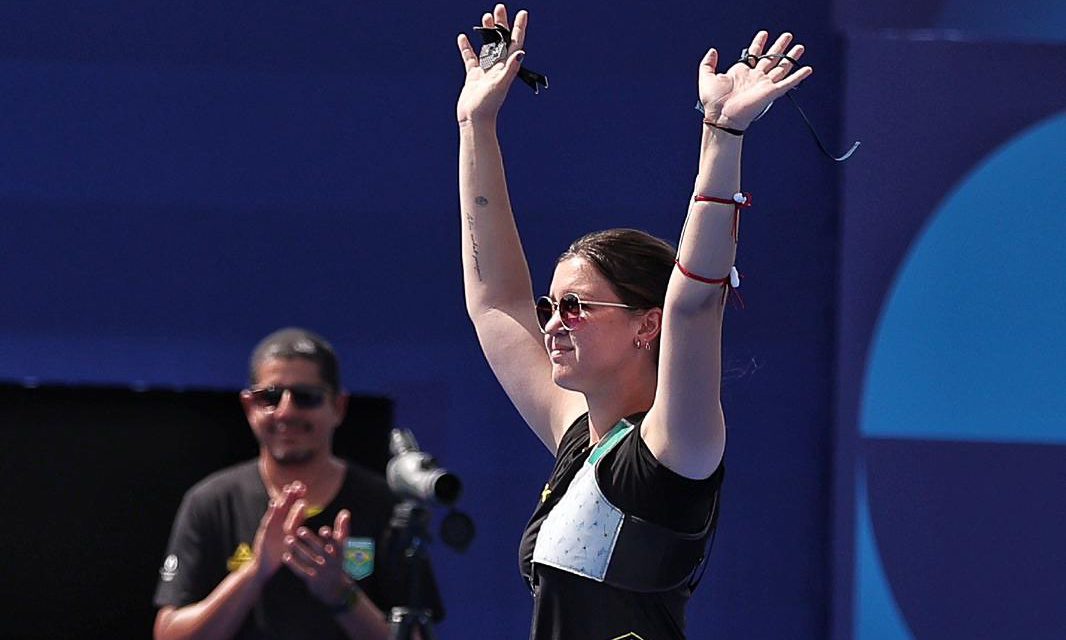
(729, 283)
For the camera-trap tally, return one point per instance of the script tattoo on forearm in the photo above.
(473, 243)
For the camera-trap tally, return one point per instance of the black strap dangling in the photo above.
(750, 60)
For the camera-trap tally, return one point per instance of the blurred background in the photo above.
(179, 179)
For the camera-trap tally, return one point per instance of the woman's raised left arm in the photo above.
(685, 428)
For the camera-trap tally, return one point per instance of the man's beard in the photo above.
(288, 457)
(292, 458)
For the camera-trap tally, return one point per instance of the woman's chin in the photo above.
(565, 378)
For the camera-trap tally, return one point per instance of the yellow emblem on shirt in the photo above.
(242, 556)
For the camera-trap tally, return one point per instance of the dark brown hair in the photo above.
(635, 263)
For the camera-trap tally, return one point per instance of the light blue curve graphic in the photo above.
(1029, 20)
(971, 342)
(876, 614)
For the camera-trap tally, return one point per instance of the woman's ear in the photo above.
(651, 325)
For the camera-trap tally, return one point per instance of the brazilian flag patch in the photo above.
(359, 557)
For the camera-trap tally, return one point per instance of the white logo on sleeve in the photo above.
(169, 568)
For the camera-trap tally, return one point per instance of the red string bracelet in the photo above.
(739, 200)
(729, 283)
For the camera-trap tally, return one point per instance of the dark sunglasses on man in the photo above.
(570, 308)
(301, 396)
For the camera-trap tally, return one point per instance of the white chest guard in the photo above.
(586, 535)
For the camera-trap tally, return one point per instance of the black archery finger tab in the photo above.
(496, 44)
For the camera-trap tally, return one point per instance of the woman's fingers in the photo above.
(793, 80)
(710, 61)
(518, 34)
(514, 61)
(498, 16)
(466, 50)
(777, 49)
(758, 43)
(784, 65)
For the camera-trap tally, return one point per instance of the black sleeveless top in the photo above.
(571, 607)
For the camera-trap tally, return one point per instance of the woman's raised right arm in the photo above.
(499, 293)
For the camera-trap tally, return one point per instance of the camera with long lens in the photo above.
(416, 478)
(414, 474)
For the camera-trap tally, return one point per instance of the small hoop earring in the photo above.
(637, 343)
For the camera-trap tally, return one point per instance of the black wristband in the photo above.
(350, 598)
(735, 132)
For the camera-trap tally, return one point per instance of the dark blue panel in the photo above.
(927, 123)
(971, 20)
(971, 536)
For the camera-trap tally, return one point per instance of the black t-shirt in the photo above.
(570, 607)
(215, 529)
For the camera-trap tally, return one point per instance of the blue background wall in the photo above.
(949, 408)
(178, 180)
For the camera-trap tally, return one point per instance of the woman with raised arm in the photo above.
(617, 370)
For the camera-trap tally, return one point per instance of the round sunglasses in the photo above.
(571, 310)
(301, 396)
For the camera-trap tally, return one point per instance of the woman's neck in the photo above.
(604, 413)
(631, 391)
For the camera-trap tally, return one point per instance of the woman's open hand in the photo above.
(485, 89)
(736, 97)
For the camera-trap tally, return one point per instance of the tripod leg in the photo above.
(426, 628)
(400, 624)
